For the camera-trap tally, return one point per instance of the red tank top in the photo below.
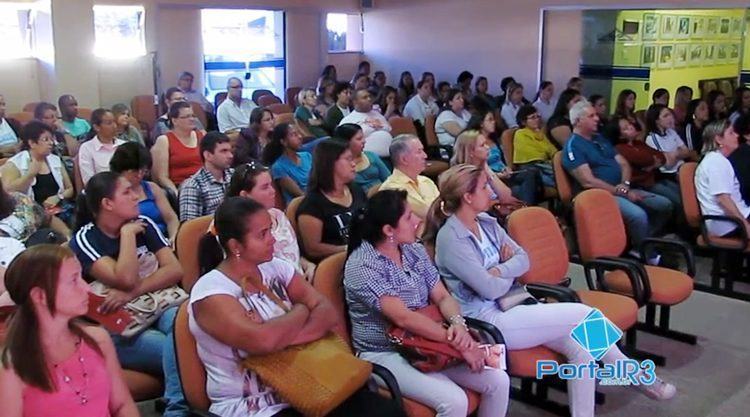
(68, 378)
(183, 161)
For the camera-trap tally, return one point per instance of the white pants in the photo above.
(527, 326)
(442, 391)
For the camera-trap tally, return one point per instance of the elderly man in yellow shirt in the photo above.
(409, 160)
(531, 147)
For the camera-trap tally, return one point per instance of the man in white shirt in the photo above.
(422, 104)
(233, 113)
(374, 126)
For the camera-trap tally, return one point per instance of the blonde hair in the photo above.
(453, 184)
(711, 132)
(464, 147)
(303, 93)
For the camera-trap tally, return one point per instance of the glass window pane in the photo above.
(119, 31)
(14, 30)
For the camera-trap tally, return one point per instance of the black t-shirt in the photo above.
(45, 187)
(335, 218)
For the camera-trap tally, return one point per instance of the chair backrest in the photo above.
(186, 246)
(563, 182)
(30, 107)
(267, 100)
(22, 117)
(218, 99)
(506, 141)
(259, 93)
(402, 125)
(189, 365)
(199, 113)
(283, 118)
(291, 212)
(537, 231)
(329, 281)
(290, 96)
(144, 110)
(429, 131)
(85, 113)
(599, 226)
(690, 205)
(279, 108)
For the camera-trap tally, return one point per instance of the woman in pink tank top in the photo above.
(52, 364)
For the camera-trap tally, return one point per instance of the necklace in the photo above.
(82, 391)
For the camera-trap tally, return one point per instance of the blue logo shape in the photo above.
(596, 334)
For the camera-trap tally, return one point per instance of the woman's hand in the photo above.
(506, 252)
(51, 201)
(504, 174)
(459, 337)
(474, 358)
(115, 300)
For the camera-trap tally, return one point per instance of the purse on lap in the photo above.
(315, 377)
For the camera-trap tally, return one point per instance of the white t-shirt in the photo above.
(490, 254)
(417, 109)
(715, 176)
(545, 110)
(446, 116)
(377, 138)
(230, 116)
(669, 142)
(508, 113)
(235, 392)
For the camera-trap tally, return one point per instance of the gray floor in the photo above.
(712, 378)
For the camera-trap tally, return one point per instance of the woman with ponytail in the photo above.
(231, 316)
(53, 363)
(480, 264)
(387, 277)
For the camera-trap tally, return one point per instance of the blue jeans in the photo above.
(524, 185)
(646, 217)
(670, 189)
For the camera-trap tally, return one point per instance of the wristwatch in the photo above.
(626, 183)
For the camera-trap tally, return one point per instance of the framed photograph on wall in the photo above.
(680, 55)
(683, 27)
(648, 55)
(737, 27)
(734, 52)
(698, 27)
(668, 27)
(712, 28)
(650, 26)
(696, 55)
(709, 54)
(722, 53)
(666, 56)
(724, 27)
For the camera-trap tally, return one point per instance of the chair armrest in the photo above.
(634, 271)
(494, 335)
(557, 292)
(743, 238)
(683, 248)
(390, 382)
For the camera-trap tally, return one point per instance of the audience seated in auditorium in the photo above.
(406, 88)
(740, 158)
(375, 127)
(545, 102)
(717, 105)
(162, 126)
(625, 108)
(696, 119)
(594, 163)
(202, 193)
(504, 83)
(9, 131)
(40, 174)
(480, 263)
(310, 122)
(471, 148)
(133, 161)
(442, 92)
(253, 139)
(662, 137)
(73, 125)
(364, 69)
(484, 121)
(65, 145)
(26, 221)
(717, 185)
(389, 276)
(334, 115)
(558, 126)
(576, 83)
(125, 131)
(234, 112)
(682, 97)
(328, 73)
(429, 78)
(175, 154)
(513, 102)
(600, 105)
(290, 167)
(128, 255)
(481, 93)
(253, 180)
(332, 198)
(409, 160)
(463, 84)
(361, 82)
(94, 154)
(531, 148)
(231, 317)
(387, 102)
(326, 97)
(740, 104)
(53, 362)
(379, 81)
(185, 84)
(660, 96)
(421, 104)
(371, 170)
(452, 119)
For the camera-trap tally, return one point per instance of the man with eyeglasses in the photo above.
(594, 163)
(233, 113)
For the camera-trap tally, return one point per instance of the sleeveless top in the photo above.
(183, 161)
(149, 208)
(64, 401)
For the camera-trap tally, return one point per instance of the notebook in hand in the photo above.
(114, 322)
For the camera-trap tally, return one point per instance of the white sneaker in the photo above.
(659, 390)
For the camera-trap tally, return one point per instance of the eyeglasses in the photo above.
(534, 116)
(188, 116)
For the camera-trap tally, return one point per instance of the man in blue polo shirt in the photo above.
(594, 163)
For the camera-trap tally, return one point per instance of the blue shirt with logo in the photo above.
(598, 153)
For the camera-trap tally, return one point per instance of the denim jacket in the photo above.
(459, 260)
